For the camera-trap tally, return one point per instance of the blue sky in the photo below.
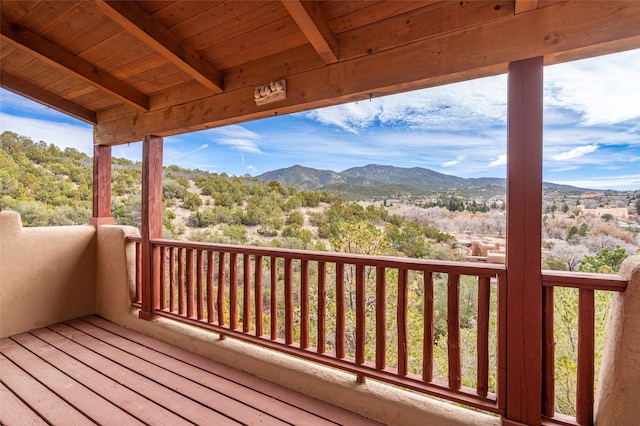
(592, 130)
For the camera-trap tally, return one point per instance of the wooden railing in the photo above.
(315, 305)
(587, 284)
(347, 311)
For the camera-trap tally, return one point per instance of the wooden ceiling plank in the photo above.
(421, 24)
(26, 89)
(148, 30)
(456, 56)
(308, 17)
(525, 6)
(53, 55)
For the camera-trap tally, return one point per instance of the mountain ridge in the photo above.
(380, 175)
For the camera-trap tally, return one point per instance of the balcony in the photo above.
(265, 312)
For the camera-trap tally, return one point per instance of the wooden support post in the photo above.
(523, 251)
(151, 223)
(101, 186)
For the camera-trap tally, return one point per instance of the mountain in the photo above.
(417, 178)
(304, 177)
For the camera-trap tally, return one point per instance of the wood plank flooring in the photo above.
(91, 371)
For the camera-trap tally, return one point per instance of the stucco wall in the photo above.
(47, 275)
(617, 399)
(378, 401)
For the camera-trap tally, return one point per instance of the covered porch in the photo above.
(155, 69)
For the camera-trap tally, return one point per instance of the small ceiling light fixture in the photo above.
(270, 92)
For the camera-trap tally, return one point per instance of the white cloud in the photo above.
(501, 161)
(451, 163)
(576, 152)
(186, 154)
(450, 107)
(604, 182)
(238, 138)
(604, 90)
(63, 135)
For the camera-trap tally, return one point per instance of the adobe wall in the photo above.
(617, 396)
(115, 291)
(47, 275)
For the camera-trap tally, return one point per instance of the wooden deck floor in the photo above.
(89, 371)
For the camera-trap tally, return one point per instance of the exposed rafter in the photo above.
(28, 90)
(59, 58)
(525, 6)
(148, 30)
(418, 65)
(308, 17)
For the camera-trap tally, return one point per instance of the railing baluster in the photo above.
(163, 278)
(548, 353)
(274, 298)
(189, 284)
(427, 342)
(258, 296)
(361, 335)
(138, 297)
(233, 291)
(482, 337)
(211, 313)
(340, 311)
(199, 284)
(246, 292)
(403, 327)
(172, 279)
(501, 370)
(304, 304)
(381, 318)
(288, 301)
(221, 286)
(322, 306)
(586, 336)
(453, 331)
(182, 305)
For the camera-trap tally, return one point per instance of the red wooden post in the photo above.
(360, 315)
(101, 186)
(586, 336)
(523, 251)
(482, 338)
(403, 328)
(274, 298)
(453, 331)
(304, 304)
(246, 293)
(258, 296)
(428, 329)
(381, 318)
(288, 301)
(548, 354)
(211, 312)
(322, 306)
(340, 312)
(151, 223)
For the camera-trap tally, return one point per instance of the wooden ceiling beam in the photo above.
(28, 90)
(307, 16)
(525, 6)
(149, 31)
(59, 58)
(565, 29)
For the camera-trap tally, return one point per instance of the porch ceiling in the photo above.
(170, 67)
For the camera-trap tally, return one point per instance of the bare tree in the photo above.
(570, 254)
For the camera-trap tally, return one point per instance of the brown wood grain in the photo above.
(524, 236)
